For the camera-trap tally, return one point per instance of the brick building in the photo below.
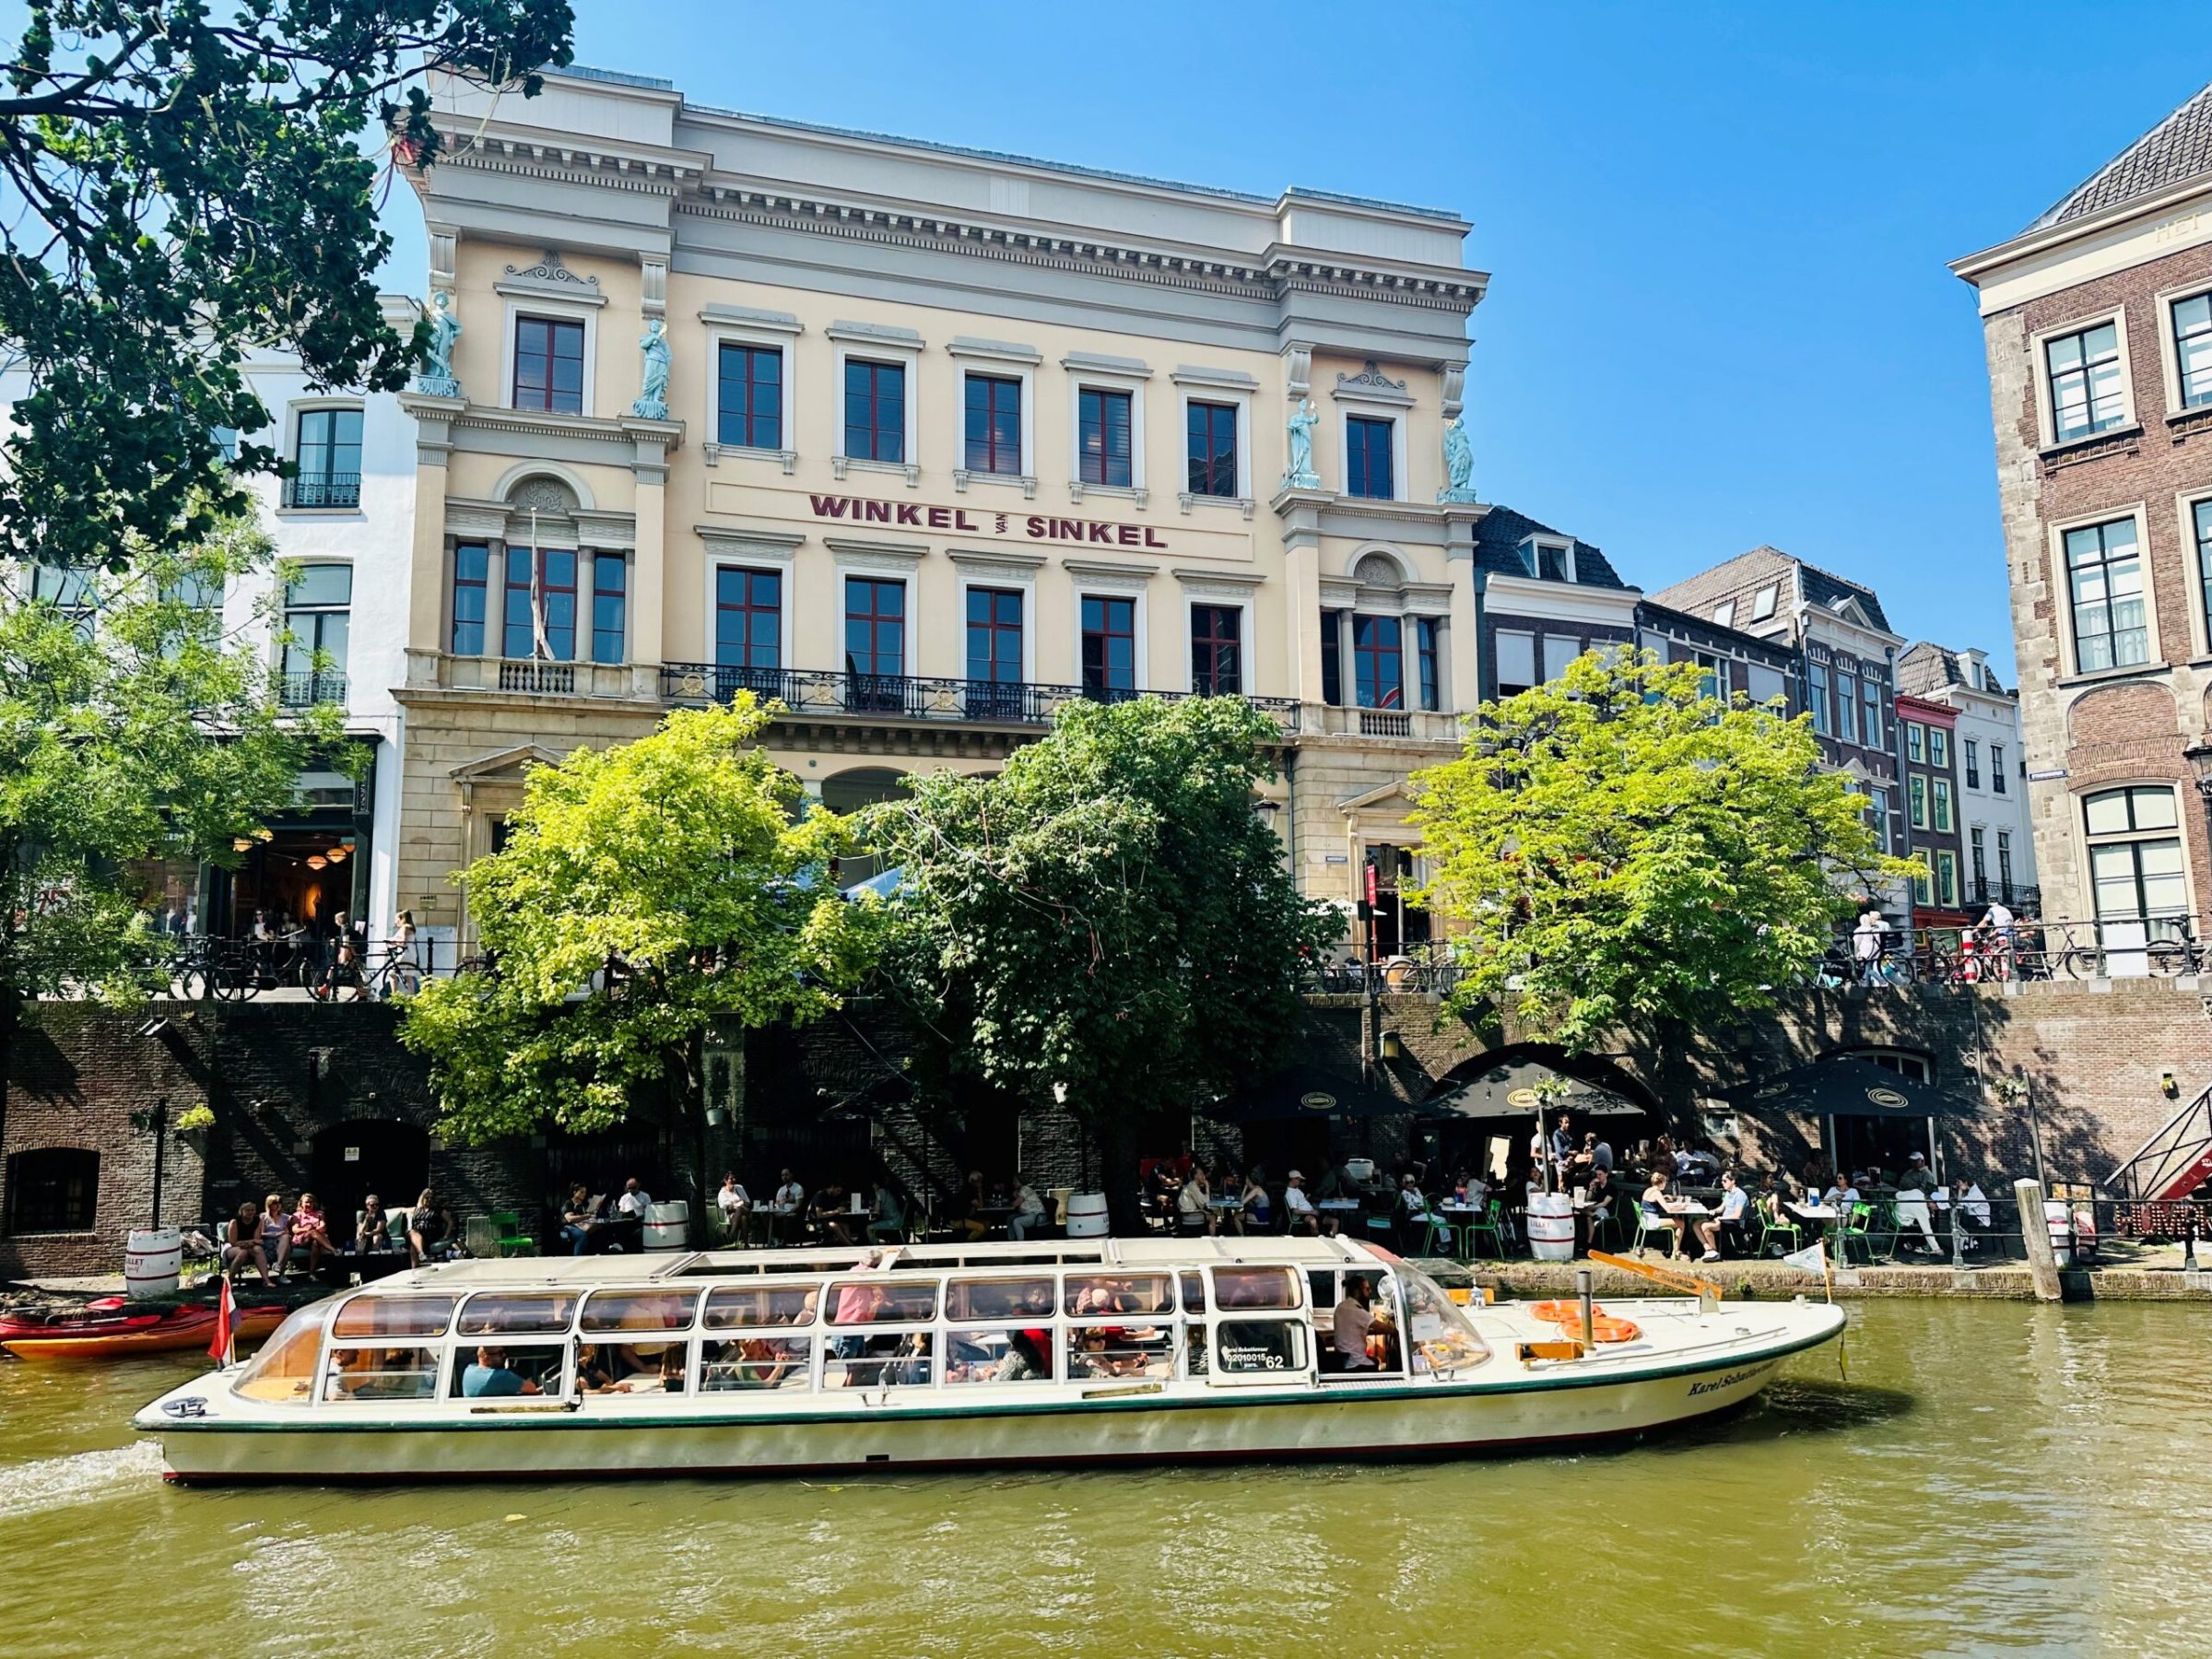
(2098, 323)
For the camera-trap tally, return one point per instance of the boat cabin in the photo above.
(1102, 1317)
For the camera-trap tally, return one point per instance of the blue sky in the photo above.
(1718, 314)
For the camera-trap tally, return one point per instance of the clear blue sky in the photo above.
(1718, 312)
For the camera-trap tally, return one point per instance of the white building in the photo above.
(2000, 845)
(343, 530)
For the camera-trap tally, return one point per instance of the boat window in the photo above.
(888, 1361)
(491, 1371)
(1120, 1293)
(755, 1362)
(1194, 1348)
(1017, 1356)
(630, 1366)
(998, 1298)
(284, 1370)
(861, 1302)
(1243, 1347)
(638, 1310)
(735, 1306)
(393, 1316)
(1139, 1351)
(525, 1314)
(1255, 1286)
(1443, 1340)
(381, 1373)
(1194, 1293)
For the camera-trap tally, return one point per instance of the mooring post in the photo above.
(1581, 1298)
(2035, 1233)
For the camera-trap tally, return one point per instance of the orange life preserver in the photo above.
(1569, 1315)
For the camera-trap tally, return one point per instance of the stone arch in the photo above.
(849, 791)
(1376, 565)
(513, 484)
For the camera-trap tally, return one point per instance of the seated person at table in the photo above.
(1735, 1229)
(1192, 1211)
(886, 1214)
(429, 1230)
(1028, 1211)
(834, 1216)
(1599, 1195)
(1413, 1207)
(1655, 1207)
(735, 1205)
(967, 1206)
(375, 1230)
(1350, 1324)
(1912, 1189)
(488, 1378)
(579, 1220)
(1255, 1210)
(1298, 1207)
(634, 1207)
(1843, 1192)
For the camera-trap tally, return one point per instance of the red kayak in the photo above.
(107, 1328)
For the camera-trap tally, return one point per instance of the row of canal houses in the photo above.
(923, 442)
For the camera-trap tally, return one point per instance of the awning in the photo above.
(1304, 1093)
(1848, 1086)
(1510, 1091)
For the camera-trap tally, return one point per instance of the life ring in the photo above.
(1603, 1325)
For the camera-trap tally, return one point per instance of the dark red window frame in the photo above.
(750, 650)
(1217, 650)
(1371, 657)
(749, 403)
(993, 441)
(537, 342)
(1368, 444)
(1115, 620)
(1106, 420)
(1211, 430)
(878, 393)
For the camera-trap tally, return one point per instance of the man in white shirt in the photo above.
(1997, 923)
(1351, 1321)
(1866, 944)
(1304, 1218)
(787, 1205)
(635, 1201)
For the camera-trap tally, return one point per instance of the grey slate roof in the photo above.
(1497, 536)
(2178, 148)
(1924, 667)
(1746, 572)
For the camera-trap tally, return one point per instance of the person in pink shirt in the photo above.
(310, 1232)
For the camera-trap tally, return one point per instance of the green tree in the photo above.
(187, 181)
(132, 729)
(646, 892)
(1107, 919)
(1619, 849)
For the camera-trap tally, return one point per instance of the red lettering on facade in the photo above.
(1129, 535)
(1034, 528)
(940, 518)
(909, 513)
(830, 506)
(879, 512)
(965, 522)
(1101, 532)
(1153, 537)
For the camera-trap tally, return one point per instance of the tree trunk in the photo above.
(1119, 1141)
(1675, 1078)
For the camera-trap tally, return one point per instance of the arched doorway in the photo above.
(848, 792)
(369, 1155)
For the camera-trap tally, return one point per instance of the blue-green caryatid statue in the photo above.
(1459, 463)
(1301, 475)
(651, 403)
(437, 377)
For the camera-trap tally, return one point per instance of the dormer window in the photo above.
(1724, 613)
(1549, 557)
(1762, 602)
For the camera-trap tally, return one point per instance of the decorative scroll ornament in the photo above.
(652, 402)
(1371, 379)
(436, 379)
(549, 269)
(1301, 475)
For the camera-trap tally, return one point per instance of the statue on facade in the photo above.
(1459, 463)
(1301, 475)
(437, 377)
(652, 402)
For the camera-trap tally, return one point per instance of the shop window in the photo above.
(53, 1189)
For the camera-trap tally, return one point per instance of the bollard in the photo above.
(2043, 1262)
(1581, 1299)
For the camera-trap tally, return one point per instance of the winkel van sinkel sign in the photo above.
(1025, 526)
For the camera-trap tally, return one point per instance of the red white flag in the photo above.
(219, 1350)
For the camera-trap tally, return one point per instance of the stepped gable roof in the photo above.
(2177, 150)
(1499, 532)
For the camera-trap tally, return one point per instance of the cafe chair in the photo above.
(1772, 1226)
(1651, 1224)
(507, 1236)
(1854, 1229)
(1492, 1221)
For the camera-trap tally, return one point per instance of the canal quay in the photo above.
(1991, 1478)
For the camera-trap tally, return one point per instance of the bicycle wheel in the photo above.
(2084, 961)
(188, 981)
(2167, 956)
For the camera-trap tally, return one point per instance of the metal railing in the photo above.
(306, 689)
(1424, 968)
(812, 691)
(323, 489)
(2121, 948)
(199, 967)
(2019, 898)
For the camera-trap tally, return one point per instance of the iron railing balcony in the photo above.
(809, 692)
(323, 489)
(305, 689)
(2020, 898)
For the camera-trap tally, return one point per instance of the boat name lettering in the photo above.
(1253, 1358)
(1029, 526)
(1714, 1384)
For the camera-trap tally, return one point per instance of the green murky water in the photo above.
(1991, 1477)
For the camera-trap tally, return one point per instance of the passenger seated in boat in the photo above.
(1350, 1325)
(1383, 1350)
(489, 1378)
(241, 1243)
(1026, 1357)
(592, 1373)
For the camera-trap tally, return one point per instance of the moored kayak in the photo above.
(111, 1331)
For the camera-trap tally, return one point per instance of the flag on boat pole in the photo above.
(1814, 1259)
(225, 1337)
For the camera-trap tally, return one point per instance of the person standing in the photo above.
(1866, 940)
(1997, 927)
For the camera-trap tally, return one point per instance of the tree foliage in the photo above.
(645, 893)
(1617, 846)
(132, 728)
(1107, 915)
(187, 181)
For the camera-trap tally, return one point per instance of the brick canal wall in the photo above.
(295, 1086)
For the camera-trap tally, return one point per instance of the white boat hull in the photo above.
(1510, 1406)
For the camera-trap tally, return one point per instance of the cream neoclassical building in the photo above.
(947, 438)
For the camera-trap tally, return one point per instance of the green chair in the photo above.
(1491, 1221)
(507, 1236)
(1772, 1226)
(1853, 1230)
(1652, 1224)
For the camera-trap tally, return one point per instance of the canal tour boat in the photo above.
(1022, 1354)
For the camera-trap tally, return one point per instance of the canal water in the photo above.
(1991, 1477)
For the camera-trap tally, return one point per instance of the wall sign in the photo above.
(1023, 526)
(2049, 775)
